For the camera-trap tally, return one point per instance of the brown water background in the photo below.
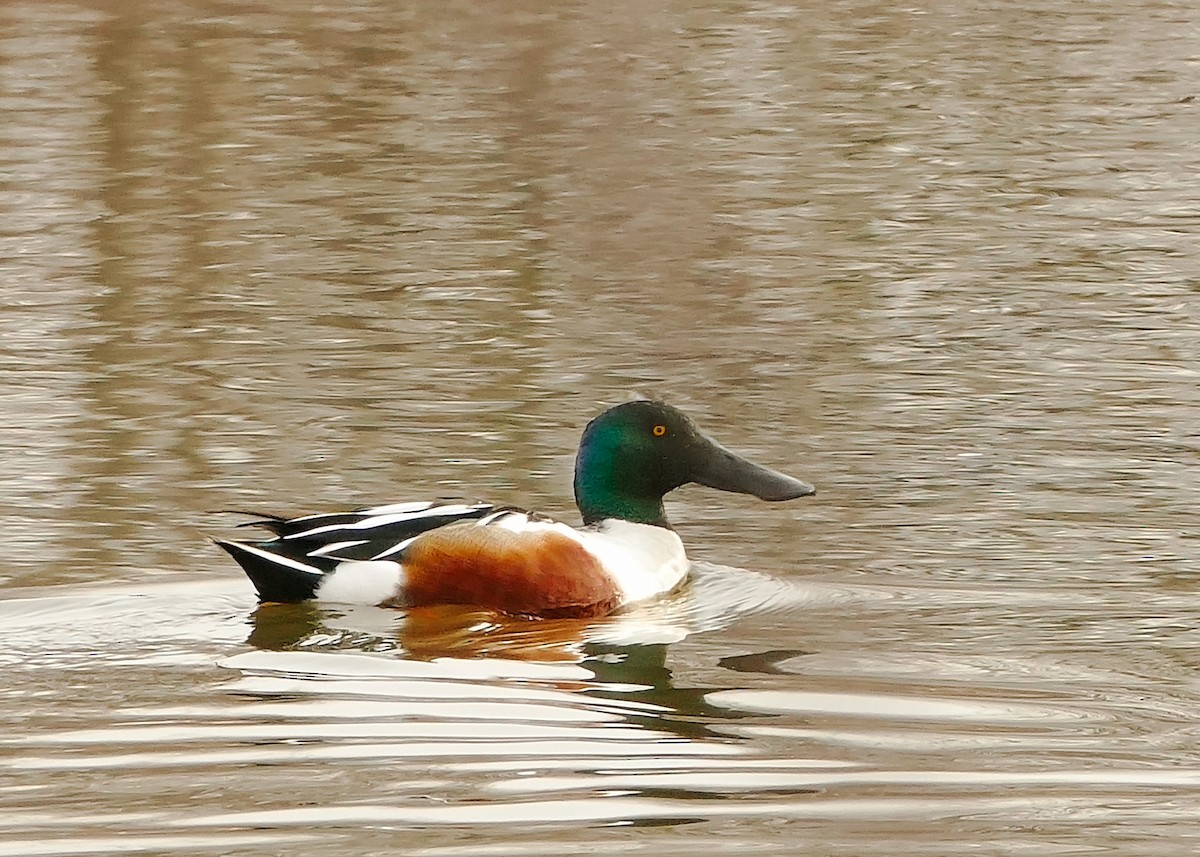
(941, 259)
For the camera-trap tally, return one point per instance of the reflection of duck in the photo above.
(629, 679)
(419, 633)
(715, 596)
(419, 554)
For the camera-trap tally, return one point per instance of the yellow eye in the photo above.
(659, 431)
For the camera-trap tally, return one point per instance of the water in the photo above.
(941, 261)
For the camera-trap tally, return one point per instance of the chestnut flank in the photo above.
(534, 573)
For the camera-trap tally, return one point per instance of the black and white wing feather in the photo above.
(377, 533)
(291, 566)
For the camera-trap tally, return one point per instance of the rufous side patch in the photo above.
(532, 573)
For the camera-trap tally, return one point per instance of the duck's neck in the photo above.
(597, 503)
(605, 491)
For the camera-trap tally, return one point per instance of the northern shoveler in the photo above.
(414, 554)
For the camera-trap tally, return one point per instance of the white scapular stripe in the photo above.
(398, 508)
(386, 519)
(334, 546)
(394, 549)
(502, 518)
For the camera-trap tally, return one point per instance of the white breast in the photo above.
(644, 560)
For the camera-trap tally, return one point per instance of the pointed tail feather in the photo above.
(276, 578)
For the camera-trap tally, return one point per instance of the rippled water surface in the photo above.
(940, 260)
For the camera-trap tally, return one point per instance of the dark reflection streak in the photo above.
(688, 711)
(766, 663)
(356, 66)
(198, 167)
(117, 41)
(665, 822)
(150, 321)
(281, 627)
(527, 123)
(695, 794)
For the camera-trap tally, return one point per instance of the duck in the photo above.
(506, 559)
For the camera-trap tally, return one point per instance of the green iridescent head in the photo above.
(633, 454)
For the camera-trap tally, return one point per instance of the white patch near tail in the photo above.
(362, 581)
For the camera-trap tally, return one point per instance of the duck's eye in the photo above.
(659, 431)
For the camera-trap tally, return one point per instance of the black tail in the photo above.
(276, 578)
